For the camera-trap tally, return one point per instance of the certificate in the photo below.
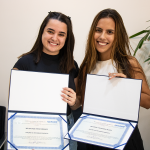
(110, 112)
(37, 116)
(100, 131)
(36, 131)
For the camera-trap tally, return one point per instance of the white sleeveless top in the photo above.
(104, 67)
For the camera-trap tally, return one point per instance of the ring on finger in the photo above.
(67, 98)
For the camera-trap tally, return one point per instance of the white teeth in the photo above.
(53, 43)
(102, 43)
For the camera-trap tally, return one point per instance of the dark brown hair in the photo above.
(120, 50)
(66, 53)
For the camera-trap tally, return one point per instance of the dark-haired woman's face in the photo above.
(54, 37)
(104, 37)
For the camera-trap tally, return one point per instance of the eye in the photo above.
(61, 35)
(51, 32)
(110, 32)
(98, 30)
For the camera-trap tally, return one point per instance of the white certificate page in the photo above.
(39, 89)
(36, 131)
(100, 131)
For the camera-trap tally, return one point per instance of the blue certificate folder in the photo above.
(37, 116)
(35, 131)
(110, 114)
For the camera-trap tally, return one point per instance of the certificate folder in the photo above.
(110, 113)
(37, 116)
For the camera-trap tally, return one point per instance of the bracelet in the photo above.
(74, 104)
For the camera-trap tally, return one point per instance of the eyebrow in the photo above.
(107, 29)
(54, 30)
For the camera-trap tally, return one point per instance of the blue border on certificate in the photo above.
(99, 143)
(61, 146)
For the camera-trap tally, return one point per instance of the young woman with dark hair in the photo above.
(108, 53)
(53, 53)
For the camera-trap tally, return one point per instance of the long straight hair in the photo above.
(120, 50)
(66, 53)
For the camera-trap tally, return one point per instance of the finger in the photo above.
(65, 100)
(69, 89)
(112, 75)
(66, 97)
(70, 103)
(121, 75)
(69, 93)
(72, 95)
(65, 92)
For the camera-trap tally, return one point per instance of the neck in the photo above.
(50, 57)
(102, 57)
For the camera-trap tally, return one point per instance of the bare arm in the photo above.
(145, 93)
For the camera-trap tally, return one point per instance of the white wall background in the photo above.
(20, 21)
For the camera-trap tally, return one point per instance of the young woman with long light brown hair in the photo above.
(108, 53)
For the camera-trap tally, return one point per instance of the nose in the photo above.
(102, 35)
(54, 37)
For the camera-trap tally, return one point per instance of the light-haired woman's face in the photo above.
(104, 37)
(54, 36)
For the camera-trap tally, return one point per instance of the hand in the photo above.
(113, 75)
(68, 96)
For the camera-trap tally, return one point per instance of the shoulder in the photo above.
(134, 62)
(137, 72)
(24, 62)
(27, 57)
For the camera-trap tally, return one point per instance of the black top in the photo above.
(47, 63)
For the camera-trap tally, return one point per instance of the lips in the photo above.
(102, 43)
(54, 44)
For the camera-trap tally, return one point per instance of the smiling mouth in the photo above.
(53, 43)
(102, 43)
